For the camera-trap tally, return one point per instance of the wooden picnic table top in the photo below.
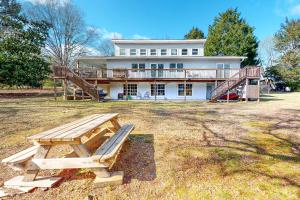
(73, 131)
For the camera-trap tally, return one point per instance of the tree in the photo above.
(106, 48)
(230, 35)
(267, 52)
(21, 62)
(194, 33)
(68, 36)
(287, 43)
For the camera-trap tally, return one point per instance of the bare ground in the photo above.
(178, 150)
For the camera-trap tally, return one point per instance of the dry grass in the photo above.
(193, 150)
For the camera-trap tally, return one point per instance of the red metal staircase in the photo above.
(66, 73)
(249, 72)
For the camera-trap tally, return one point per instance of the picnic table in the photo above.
(85, 136)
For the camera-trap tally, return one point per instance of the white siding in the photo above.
(186, 63)
(171, 90)
(199, 46)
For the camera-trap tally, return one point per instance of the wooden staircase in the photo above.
(66, 73)
(249, 72)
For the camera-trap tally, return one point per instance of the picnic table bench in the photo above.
(89, 151)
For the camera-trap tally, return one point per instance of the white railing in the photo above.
(159, 73)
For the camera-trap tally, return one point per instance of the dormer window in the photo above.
(195, 52)
(143, 52)
(184, 52)
(174, 52)
(122, 52)
(163, 52)
(133, 52)
(153, 52)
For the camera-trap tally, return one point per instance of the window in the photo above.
(143, 52)
(153, 52)
(195, 52)
(132, 52)
(172, 66)
(223, 70)
(163, 52)
(174, 52)
(131, 88)
(122, 52)
(160, 89)
(134, 67)
(142, 67)
(184, 52)
(179, 67)
(188, 88)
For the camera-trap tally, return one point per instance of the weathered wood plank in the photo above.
(38, 182)
(64, 127)
(111, 147)
(82, 128)
(78, 132)
(22, 156)
(67, 163)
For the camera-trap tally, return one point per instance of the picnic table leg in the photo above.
(31, 169)
(115, 123)
(81, 150)
(104, 178)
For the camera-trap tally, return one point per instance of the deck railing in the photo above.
(158, 73)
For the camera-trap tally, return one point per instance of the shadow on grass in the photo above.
(251, 146)
(136, 158)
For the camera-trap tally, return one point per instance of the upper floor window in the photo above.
(195, 52)
(134, 67)
(138, 67)
(163, 52)
(133, 52)
(179, 67)
(174, 52)
(184, 52)
(153, 52)
(143, 52)
(122, 52)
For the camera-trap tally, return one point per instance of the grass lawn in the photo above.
(178, 150)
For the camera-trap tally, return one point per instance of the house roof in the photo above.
(146, 41)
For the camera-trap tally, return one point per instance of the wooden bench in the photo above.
(107, 151)
(19, 160)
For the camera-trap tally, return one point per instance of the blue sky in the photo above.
(173, 18)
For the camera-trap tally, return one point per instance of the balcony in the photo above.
(90, 73)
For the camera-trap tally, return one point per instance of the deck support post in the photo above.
(65, 89)
(246, 90)
(258, 90)
(155, 89)
(228, 92)
(126, 87)
(184, 85)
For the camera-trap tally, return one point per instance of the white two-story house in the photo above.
(158, 69)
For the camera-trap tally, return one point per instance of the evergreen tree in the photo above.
(230, 35)
(21, 60)
(194, 33)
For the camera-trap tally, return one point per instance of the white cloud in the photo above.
(105, 34)
(295, 10)
(139, 37)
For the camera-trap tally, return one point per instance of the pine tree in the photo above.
(230, 35)
(194, 33)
